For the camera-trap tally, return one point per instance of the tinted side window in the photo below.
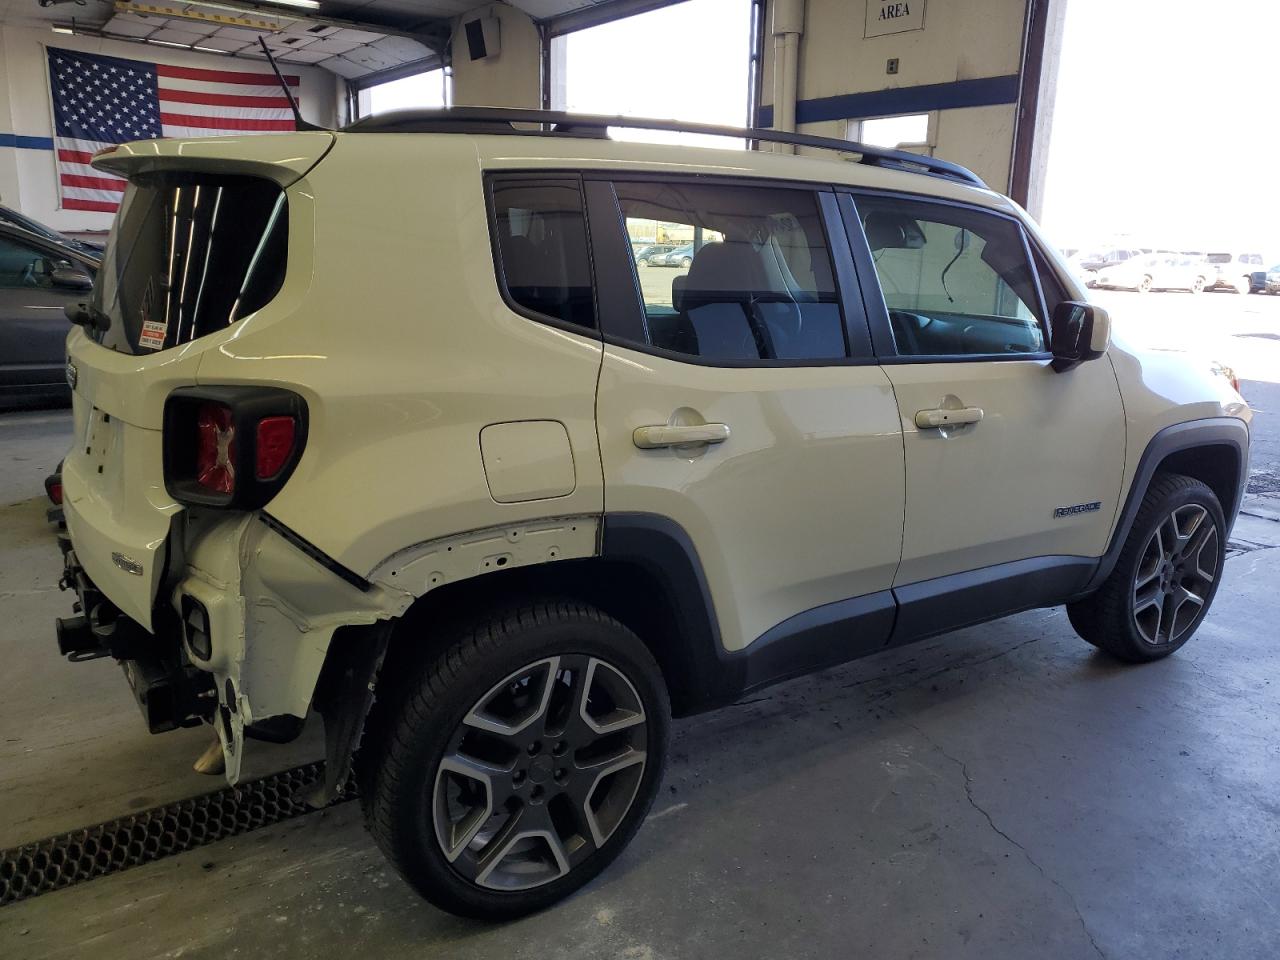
(22, 266)
(1052, 288)
(190, 255)
(542, 249)
(955, 280)
(749, 276)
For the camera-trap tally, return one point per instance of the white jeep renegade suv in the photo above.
(386, 424)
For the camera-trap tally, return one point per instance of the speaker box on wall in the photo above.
(482, 38)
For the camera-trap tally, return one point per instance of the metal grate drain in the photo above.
(90, 852)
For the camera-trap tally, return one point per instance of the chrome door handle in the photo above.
(669, 435)
(942, 417)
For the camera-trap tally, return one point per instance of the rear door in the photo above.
(1007, 461)
(739, 398)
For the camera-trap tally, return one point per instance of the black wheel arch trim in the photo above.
(1227, 432)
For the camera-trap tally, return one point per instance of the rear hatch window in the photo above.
(191, 254)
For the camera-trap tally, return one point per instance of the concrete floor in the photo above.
(1002, 792)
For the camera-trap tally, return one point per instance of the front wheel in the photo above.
(1144, 285)
(1197, 285)
(1166, 576)
(686, 262)
(519, 761)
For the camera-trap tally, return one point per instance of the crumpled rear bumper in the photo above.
(259, 615)
(241, 633)
(170, 692)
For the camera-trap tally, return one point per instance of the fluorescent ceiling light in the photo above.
(303, 4)
(168, 43)
(58, 29)
(211, 50)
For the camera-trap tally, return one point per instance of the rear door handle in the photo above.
(669, 435)
(942, 417)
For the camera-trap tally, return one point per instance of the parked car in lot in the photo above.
(679, 257)
(652, 253)
(39, 278)
(1156, 271)
(1265, 281)
(498, 542)
(1085, 265)
(15, 219)
(1233, 271)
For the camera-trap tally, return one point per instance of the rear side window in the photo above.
(541, 244)
(190, 255)
(749, 278)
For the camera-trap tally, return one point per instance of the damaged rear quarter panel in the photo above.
(272, 614)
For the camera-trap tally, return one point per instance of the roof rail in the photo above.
(502, 120)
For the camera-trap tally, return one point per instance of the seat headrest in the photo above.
(726, 266)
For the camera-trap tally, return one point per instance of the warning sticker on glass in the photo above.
(153, 331)
(152, 335)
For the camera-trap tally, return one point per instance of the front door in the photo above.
(1007, 461)
(33, 326)
(739, 398)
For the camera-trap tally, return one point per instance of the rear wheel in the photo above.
(1144, 285)
(1241, 286)
(1166, 576)
(1197, 285)
(686, 262)
(519, 761)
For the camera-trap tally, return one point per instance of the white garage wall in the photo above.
(28, 180)
(961, 44)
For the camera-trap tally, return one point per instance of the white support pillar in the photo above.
(787, 27)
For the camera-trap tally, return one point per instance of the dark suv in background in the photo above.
(39, 278)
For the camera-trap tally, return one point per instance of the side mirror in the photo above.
(83, 315)
(70, 278)
(1081, 331)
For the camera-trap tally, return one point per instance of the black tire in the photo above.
(403, 780)
(1107, 618)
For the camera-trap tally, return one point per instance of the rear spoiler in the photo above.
(283, 158)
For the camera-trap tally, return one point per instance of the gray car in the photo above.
(39, 278)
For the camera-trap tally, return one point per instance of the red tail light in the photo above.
(216, 448)
(275, 445)
(232, 446)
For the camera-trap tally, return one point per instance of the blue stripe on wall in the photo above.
(26, 143)
(983, 92)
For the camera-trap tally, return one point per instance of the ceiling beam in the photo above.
(606, 11)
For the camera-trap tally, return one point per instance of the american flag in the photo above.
(101, 101)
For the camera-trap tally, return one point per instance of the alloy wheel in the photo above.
(1175, 575)
(540, 772)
